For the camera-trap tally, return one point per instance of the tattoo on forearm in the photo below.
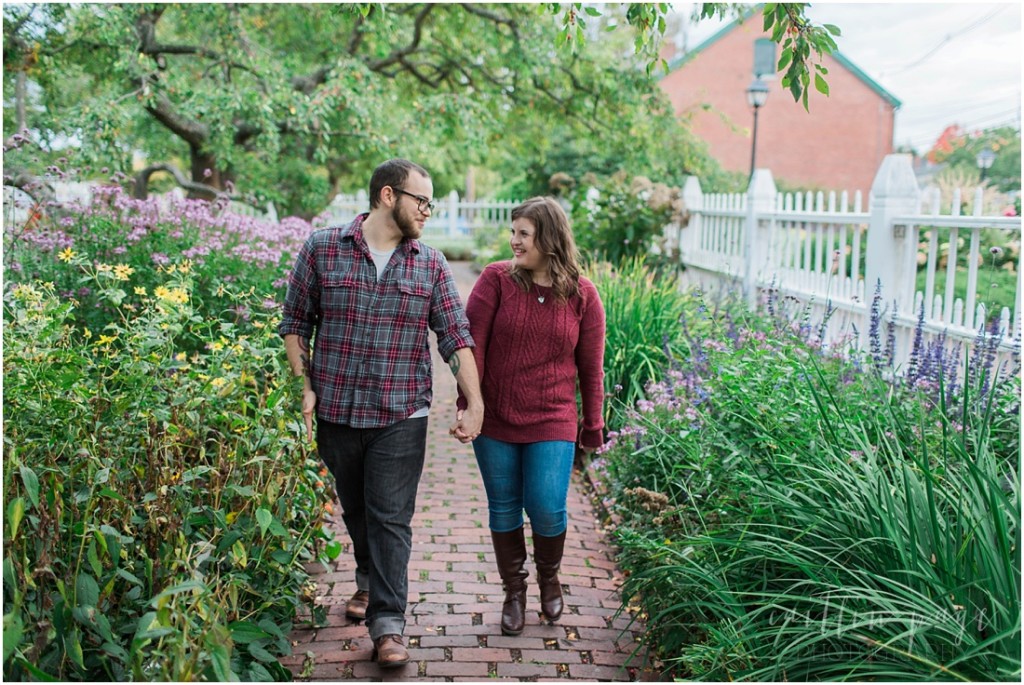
(304, 355)
(455, 364)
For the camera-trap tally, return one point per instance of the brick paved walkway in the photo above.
(455, 593)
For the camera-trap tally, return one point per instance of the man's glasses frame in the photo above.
(422, 203)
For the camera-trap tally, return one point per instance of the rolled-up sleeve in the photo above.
(301, 312)
(447, 316)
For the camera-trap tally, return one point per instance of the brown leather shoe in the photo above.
(389, 652)
(355, 608)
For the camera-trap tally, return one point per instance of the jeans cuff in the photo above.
(386, 625)
(363, 581)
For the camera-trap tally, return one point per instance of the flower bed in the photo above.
(161, 503)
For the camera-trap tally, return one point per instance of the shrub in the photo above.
(787, 513)
(617, 218)
(161, 502)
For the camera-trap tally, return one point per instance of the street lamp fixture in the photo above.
(757, 95)
(984, 160)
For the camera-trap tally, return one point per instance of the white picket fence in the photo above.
(454, 217)
(832, 254)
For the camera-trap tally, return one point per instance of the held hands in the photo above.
(467, 424)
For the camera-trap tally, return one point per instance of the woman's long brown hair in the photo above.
(553, 239)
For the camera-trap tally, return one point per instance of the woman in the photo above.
(539, 328)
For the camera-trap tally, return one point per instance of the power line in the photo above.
(928, 140)
(947, 39)
(958, 114)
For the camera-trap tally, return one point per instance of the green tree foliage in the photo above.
(961, 152)
(299, 101)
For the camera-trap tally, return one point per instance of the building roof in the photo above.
(678, 62)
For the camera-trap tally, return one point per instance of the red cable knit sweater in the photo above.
(530, 353)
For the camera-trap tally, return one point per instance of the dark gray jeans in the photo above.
(376, 472)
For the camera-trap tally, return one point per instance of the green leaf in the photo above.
(265, 518)
(93, 558)
(592, 11)
(333, 550)
(820, 84)
(187, 586)
(73, 647)
(9, 577)
(259, 652)
(785, 58)
(13, 633)
(244, 632)
(833, 29)
(36, 672)
(15, 513)
(31, 481)
(87, 591)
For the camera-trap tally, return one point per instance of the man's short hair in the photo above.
(392, 173)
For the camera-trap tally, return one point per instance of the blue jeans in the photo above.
(532, 476)
(376, 473)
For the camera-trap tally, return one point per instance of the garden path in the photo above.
(455, 593)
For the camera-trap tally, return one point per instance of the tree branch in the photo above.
(192, 132)
(141, 185)
(417, 35)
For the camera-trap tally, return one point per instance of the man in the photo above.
(371, 291)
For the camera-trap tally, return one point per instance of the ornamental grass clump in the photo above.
(821, 520)
(642, 310)
(161, 504)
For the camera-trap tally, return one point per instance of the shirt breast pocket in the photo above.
(340, 293)
(413, 301)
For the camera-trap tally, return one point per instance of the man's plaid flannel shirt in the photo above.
(371, 362)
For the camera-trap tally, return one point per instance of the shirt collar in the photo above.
(354, 232)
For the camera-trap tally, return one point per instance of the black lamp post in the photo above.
(985, 159)
(757, 94)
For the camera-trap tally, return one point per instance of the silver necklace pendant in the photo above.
(540, 298)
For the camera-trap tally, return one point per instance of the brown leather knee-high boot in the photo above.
(547, 554)
(510, 552)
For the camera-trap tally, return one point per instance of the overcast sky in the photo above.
(950, 63)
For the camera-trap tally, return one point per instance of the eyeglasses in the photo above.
(423, 204)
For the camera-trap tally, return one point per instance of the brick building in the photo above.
(838, 145)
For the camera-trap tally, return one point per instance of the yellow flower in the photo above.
(25, 292)
(123, 271)
(185, 266)
(178, 295)
(218, 382)
(87, 333)
(104, 268)
(171, 269)
(180, 357)
(66, 255)
(232, 515)
(217, 346)
(106, 339)
(139, 290)
(162, 292)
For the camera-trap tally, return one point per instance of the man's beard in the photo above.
(405, 224)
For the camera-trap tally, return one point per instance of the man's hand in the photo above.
(308, 407)
(467, 424)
